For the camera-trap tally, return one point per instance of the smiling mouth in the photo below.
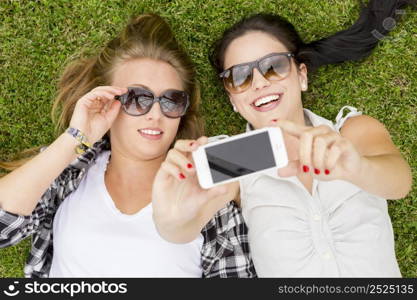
(266, 101)
(150, 132)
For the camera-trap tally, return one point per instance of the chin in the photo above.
(150, 155)
(143, 151)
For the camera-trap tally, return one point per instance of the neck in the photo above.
(299, 118)
(133, 172)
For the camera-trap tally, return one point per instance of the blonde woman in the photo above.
(86, 199)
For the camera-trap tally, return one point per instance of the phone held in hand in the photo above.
(239, 156)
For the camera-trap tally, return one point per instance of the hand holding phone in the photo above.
(181, 207)
(243, 155)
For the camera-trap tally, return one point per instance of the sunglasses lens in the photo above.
(275, 67)
(139, 102)
(174, 103)
(238, 79)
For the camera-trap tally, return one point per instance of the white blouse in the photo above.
(337, 231)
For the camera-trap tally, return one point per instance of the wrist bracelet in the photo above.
(80, 137)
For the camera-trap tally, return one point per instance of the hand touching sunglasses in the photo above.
(274, 67)
(139, 101)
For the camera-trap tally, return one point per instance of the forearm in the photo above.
(180, 230)
(21, 189)
(388, 176)
(177, 232)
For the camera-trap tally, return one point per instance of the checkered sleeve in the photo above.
(225, 251)
(14, 227)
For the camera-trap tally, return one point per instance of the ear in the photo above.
(302, 77)
(230, 99)
(232, 103)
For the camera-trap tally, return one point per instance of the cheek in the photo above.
(123, 126)
(237, 99)
(173, 126)
(117, 124)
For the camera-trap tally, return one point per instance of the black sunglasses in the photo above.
(139, 101)
(274, 66)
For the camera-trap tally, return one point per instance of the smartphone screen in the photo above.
(240, 157)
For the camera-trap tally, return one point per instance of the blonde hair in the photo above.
(145, 36)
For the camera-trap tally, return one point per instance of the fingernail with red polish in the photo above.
(182, 176)
(189, 166)
(317, 171)
(191, 144)
(306, 169)
(327, 172)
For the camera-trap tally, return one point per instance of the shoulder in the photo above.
(226, 250)
(368, 135)
(88, 158)
(362, 126)
(227, 221)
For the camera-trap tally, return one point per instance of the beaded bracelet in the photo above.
(80, 137)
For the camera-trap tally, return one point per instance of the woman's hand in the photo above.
(95, 112)
(319, 150)
(181, 207)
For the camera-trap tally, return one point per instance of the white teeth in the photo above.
(266, 99)
(150, 132)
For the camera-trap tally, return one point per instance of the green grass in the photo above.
(37, 39)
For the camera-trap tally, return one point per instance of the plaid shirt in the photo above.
(225, 251)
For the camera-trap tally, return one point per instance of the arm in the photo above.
(22, 188)
(362, 154)
(176, 229)
(15, 227)
(383, 171)
(181, 208)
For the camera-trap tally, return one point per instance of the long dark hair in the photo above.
(354, 43)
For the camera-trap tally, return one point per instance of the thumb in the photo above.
(292, 169)
(217, 191)
(162, 180)
(213, 193)
(221, 199)
(113, 111)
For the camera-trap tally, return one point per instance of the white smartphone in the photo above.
(239, 156)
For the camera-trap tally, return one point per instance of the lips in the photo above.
(151, 133)
(267, 102)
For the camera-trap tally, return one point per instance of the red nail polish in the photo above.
(317, 171)
(306, 169)
(189, 166)
(182, 176)
(191, 144)
(327, 172)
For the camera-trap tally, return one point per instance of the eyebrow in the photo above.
(149, 89)
(140, 85)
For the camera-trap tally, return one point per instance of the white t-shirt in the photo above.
(337, 231)
(92, 238)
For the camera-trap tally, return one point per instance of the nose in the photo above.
(258, 80)
(155, 113)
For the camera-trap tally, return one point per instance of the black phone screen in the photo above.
(240, 157)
